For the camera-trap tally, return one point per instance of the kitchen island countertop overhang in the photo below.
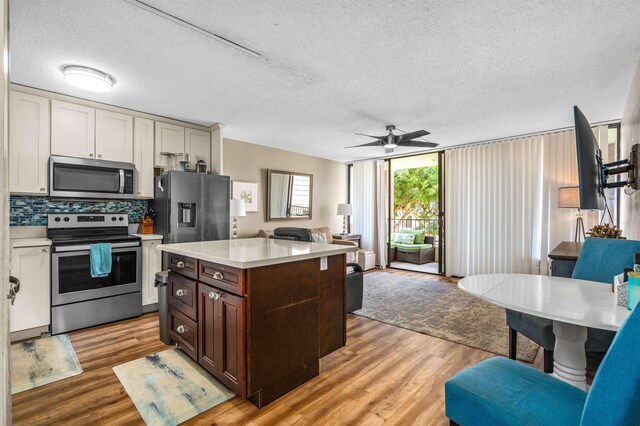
(255, 252)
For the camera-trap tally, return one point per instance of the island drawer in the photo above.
(183, 265)
(183, 295)
(184, 332)
(223, 277)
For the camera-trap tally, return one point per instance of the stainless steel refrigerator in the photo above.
(191, 207)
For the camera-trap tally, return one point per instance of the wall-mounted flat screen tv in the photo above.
(589, 164)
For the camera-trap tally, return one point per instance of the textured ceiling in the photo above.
(465, 71)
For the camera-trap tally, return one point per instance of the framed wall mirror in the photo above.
(289, 195)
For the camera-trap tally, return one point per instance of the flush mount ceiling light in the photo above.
(87, 78)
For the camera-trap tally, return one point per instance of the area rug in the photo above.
(441, 310)
(168, 388)
(42, 361)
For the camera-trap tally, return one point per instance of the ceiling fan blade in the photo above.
(412, 135)
(375, 137)
(419, 144)
(376, 143)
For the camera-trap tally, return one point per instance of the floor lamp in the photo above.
(569, 198)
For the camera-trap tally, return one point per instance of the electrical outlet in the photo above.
(324, 264)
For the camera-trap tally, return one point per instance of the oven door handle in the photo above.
(87, 247)
(121, 181)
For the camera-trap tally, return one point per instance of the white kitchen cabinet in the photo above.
(143, 157)
(29, 144)
(151, 263)
(168, 138)
(31, 265)
(72, 130)
(114, 136)
(198, 144)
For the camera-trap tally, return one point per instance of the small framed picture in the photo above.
(247, 191)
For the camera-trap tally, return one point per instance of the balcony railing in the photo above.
(429, 225)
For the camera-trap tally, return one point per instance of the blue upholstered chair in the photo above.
(499, 391)
(600, 260)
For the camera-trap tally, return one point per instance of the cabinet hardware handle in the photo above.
(45, 250)
(99, 156)
(138, 193)
(42, 189)
(153, 243)
(180, 329)
(180, 292)
(213, 295)
(180, 264)
(90, 155)
(218, 275)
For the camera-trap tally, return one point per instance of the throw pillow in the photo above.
(404, 238)
(318, 237)
(419, 234)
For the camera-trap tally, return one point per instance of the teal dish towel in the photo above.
(100, 257)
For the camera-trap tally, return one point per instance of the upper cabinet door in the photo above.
(29, 147)
(143, 157)
(72, 130)
(198, 144)
(114, 136)
(169, 138)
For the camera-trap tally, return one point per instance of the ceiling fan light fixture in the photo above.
(88, 78)
(390, 145)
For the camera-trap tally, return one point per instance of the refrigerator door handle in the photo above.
(160, 187)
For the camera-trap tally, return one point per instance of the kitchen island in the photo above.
(257, 313)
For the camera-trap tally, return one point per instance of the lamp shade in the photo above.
(237, 208)
(569, 197)
(345, 210)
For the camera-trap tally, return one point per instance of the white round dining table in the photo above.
(573, 305)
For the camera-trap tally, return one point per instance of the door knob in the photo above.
(180, 292)
(90, 155)
(180, 264)
(180, 329)
(218, 275)
(99, 156)
(213, 295)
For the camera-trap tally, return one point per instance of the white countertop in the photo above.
(253, 252)
(30, 242)
(146, 237)
(579, 302)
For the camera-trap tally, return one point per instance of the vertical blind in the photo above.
(501, 198)
(369, 207)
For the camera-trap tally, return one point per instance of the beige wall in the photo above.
(630, 134)
(247, 162)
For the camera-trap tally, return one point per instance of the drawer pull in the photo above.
(181, 329)
(218, 275)
(180, 264)
(213, 295)
(180, 292)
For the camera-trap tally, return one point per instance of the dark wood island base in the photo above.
(260, 331)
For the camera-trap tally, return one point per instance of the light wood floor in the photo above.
(384, 375)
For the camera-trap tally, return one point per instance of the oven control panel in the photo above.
(87, 220)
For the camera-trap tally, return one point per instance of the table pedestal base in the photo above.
(569, 357)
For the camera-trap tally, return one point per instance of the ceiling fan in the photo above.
(391, 141)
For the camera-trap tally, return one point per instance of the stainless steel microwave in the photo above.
(71, 177)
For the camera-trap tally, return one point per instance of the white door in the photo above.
(169, 138)
(198, 144)
(114, 136)
(31, 308)
(143, 157)
(29, 143)
(5, 387)
(72, 130)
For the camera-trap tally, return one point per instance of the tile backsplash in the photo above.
(32, 211)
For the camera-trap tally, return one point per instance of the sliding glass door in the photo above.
(416, 213)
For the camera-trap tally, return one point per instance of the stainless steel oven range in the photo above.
(77, 299)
